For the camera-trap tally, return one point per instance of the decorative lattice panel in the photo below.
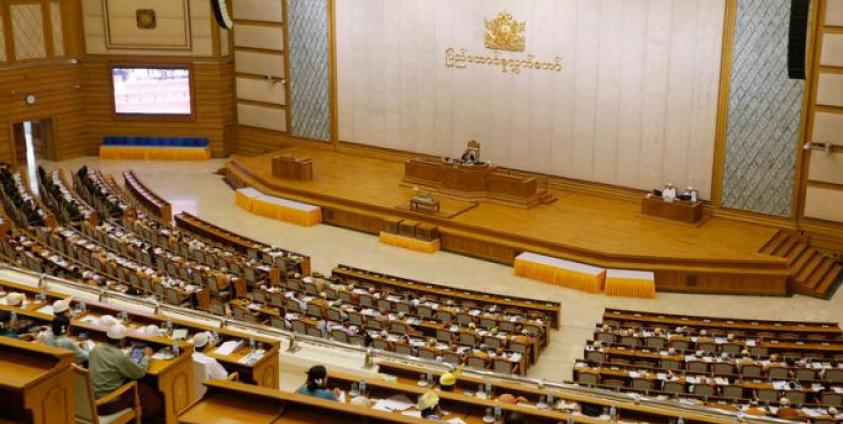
(764, 112)
(307, 26)
(58, 31)
(28, 30)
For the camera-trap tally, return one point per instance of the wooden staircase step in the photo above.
(816, 277)
(794, 254)
(803, 260)
(828, 280)
(802, 276)
(773, 242)
(785, 247)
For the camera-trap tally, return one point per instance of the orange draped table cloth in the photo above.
(281, 209)
(627, 283)
(155, 153)
(560, 272)
(409, 242)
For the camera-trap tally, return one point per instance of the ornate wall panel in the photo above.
(58, 31)
(182, 27)
(764, 112)
(28, 30)
(307, 27)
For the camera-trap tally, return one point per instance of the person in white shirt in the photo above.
(214, 371)
(669, 193)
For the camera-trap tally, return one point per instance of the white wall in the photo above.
(635, 104)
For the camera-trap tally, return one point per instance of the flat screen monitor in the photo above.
(151, 91)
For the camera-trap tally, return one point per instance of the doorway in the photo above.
(33, 142)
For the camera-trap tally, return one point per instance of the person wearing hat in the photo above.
(447, 382)
(786, 411)
(57, 337)
(110, 367)
(316, 385)
(213, 369)
(15, 299)
(428, 405)
(61, 307)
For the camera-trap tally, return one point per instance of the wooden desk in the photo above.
(825, 329)
(235, 403)
(292, 167)
(36, 383)
(156, 204)
(409, 374)
(481, 182)
(292, 261)
(549, 310)
(678, 210)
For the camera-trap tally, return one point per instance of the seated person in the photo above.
(691, 194)
(316, 385)
(786, 411)
(447, 382)
(669, 192)
(8, 325)
(745, 359)
(110, 367)
(428, 404)
(62, 307)
(471, 153)
(213, 369)
(57, 337)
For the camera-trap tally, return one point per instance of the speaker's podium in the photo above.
(477, 182)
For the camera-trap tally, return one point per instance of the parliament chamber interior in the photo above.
(403, 211)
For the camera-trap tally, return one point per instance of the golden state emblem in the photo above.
(505, 33)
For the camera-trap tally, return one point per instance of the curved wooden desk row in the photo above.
(827, 329)
(410, 374)
(292, 261)
(547, 308)
(465, 403)
(151, 201)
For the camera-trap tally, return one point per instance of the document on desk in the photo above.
(229, 347)
(395, 403)
(415, 414)
(456, 421)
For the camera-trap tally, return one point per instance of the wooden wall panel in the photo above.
(57, 98)
(826, 168)
(213, 85)
(834, 13)
(824, 203)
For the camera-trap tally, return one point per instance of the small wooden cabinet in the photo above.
(292, 167)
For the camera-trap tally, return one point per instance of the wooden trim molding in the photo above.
(723, 103)
(285, 18)
(812, 62)
(333, 84)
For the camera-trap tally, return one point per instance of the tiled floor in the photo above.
(194, 187)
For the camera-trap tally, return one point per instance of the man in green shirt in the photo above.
(110, 367)
(57, 337)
